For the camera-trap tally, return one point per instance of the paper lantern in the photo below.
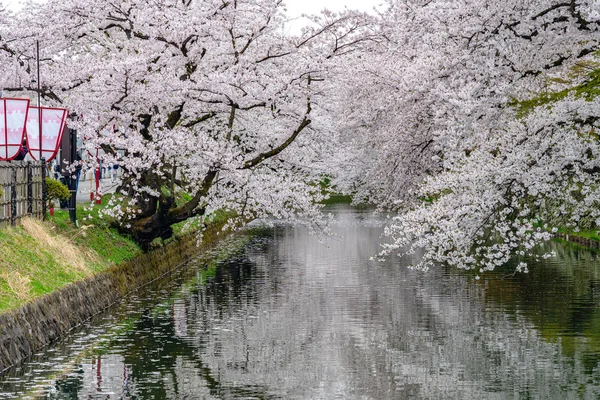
(53, 126)
(13, 114)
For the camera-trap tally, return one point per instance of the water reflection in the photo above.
(294, 318)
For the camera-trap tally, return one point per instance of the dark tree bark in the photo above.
(160, 214)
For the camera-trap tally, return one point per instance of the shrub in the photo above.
(56, 191)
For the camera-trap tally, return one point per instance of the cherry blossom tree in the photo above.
(476, 120)
(388, 102)
(205, 105)
(7, 52)
(473, 148)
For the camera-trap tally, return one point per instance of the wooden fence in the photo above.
(23, 187)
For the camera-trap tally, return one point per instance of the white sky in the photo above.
(297, 7)
(294, 7)
(12, 4)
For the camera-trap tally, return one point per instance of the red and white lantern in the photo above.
(13, 114)
(53, 126)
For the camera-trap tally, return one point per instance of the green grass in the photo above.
(96, 234)
(337, 199)
(591, 234)
(30, 268)
(41, 257)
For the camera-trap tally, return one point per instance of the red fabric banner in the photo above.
(53, 126)
(13, 114)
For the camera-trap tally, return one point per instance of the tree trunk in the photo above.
(159, 214)
(145, 230)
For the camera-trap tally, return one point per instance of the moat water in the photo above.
(295, 316)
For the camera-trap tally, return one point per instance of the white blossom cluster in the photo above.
(473, 122)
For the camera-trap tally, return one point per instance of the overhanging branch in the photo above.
(266, 155)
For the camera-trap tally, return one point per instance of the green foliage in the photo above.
(587, 73)
(337, 199)
(334, 197)
(55, 190)
(165, 191)
(182, 198)
(325, 182)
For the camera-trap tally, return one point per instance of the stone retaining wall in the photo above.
(35, 325)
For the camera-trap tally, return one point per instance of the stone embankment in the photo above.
(30, 328)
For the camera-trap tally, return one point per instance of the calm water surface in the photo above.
(293, 318)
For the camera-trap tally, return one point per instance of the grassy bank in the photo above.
(589, 235)
(337, 199)
(39, 257)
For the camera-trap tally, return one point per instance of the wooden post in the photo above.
(13, 196)
(44, 191)
(73, 181)
(29, 189)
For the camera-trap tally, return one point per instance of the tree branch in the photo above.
(188, 209)
(264, 156)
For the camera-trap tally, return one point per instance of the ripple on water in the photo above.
(296, 316)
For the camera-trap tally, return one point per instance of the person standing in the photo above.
(78, 169)
(23, 152)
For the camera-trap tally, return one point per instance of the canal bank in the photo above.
(590, 242)
(295, 316)
(106, 268)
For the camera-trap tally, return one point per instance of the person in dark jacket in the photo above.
(23, 152)
(78, 169)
